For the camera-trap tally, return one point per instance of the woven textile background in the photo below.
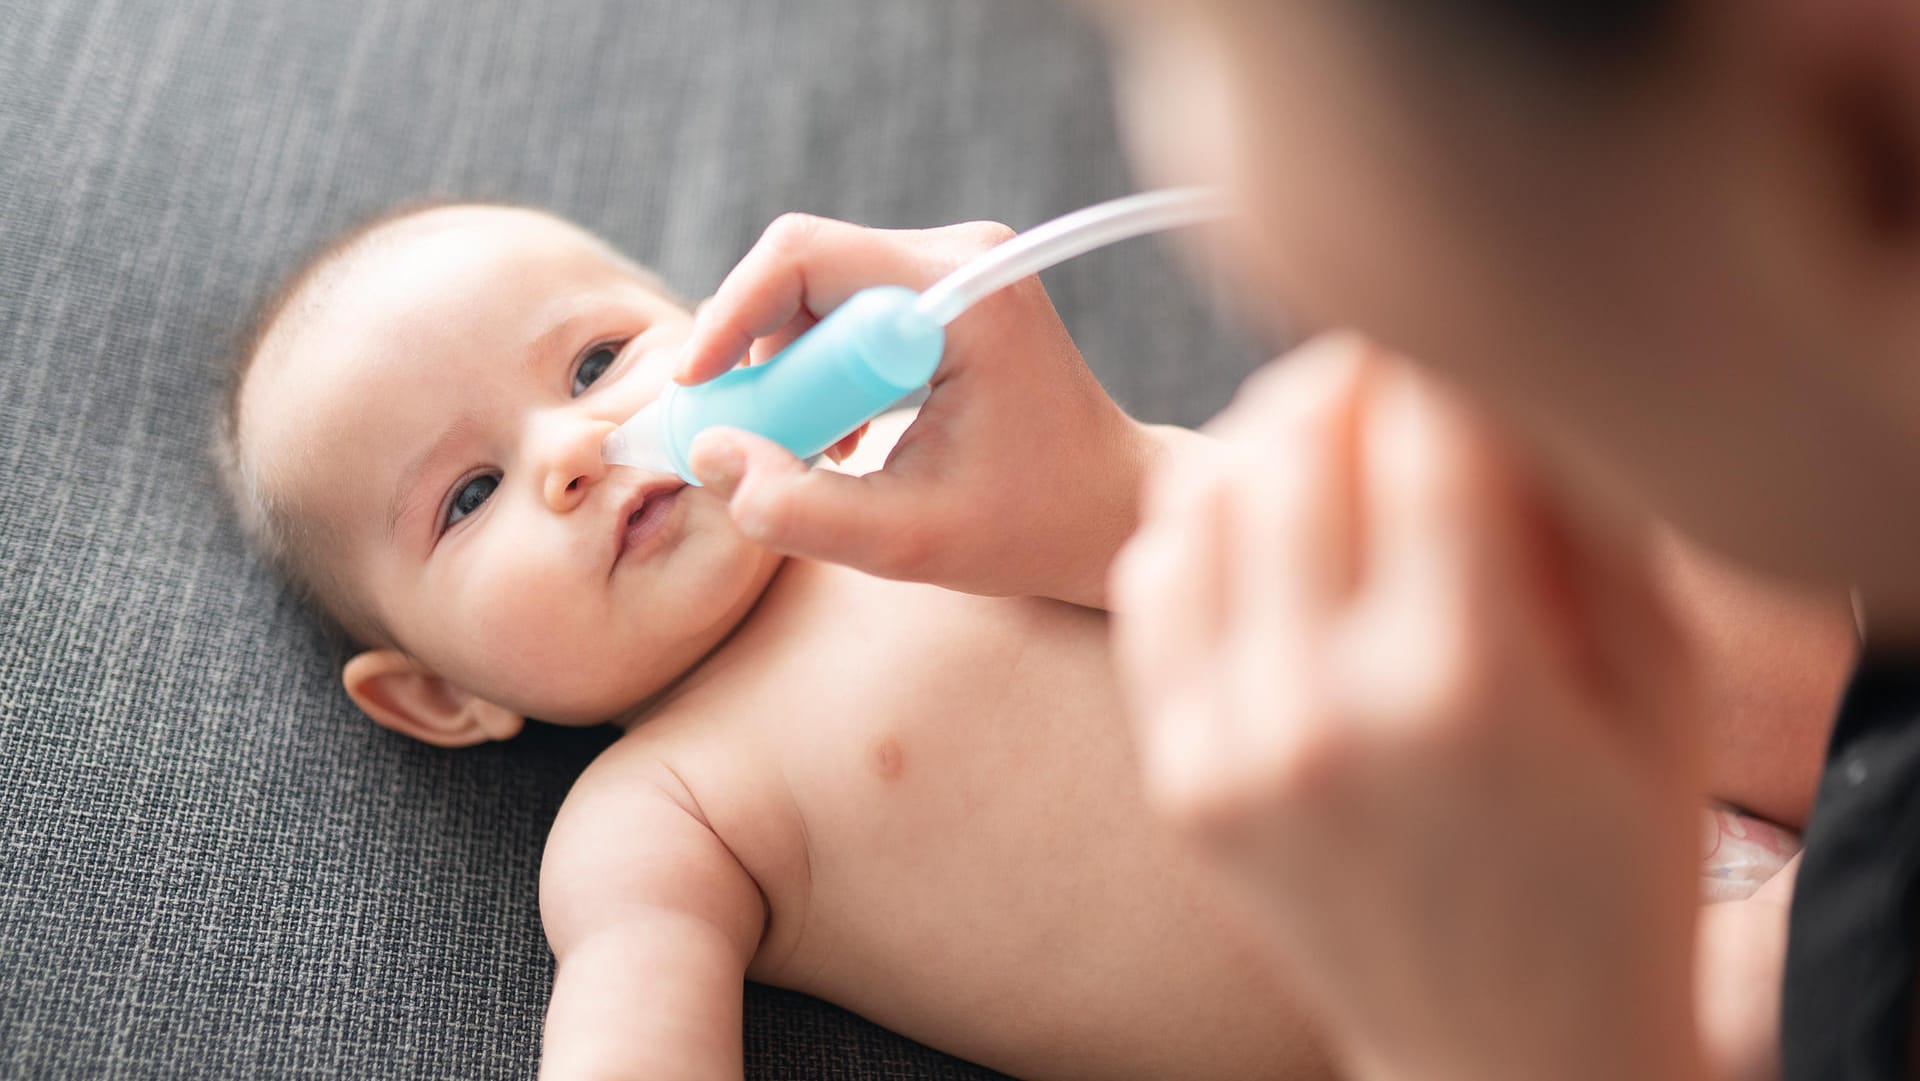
(209, 866)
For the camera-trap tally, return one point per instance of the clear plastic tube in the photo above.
(1064, 238)
(879, 345)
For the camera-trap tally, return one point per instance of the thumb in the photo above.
(875, 523)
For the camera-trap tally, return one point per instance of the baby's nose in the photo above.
(574, 464)
(565, 493)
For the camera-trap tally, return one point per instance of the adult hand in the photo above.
(1742, 962)
(1019, 476)
(1435, 722)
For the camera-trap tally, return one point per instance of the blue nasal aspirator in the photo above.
(872, 351)
(877, 348)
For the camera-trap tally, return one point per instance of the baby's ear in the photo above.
(399, 694)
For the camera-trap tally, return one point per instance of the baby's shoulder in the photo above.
(632, 832)
(633, 780)
(671, 775)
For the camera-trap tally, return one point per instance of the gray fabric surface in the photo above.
(209, 866)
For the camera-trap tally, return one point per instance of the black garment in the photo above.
(1847, 1010)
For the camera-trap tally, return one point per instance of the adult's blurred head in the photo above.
(1677, 242)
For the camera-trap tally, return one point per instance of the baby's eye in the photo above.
(469, 497)
(594, 365)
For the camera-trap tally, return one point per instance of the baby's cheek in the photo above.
(574, 644)
(517, 621)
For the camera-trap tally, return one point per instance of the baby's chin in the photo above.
(735, 574)
(664, 617)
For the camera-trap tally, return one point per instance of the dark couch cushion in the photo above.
(209, 866)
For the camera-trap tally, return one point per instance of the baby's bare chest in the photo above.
(949, 772)
(929, 749)
(943, 814)
(979, 717)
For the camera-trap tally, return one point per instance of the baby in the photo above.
(915, 803)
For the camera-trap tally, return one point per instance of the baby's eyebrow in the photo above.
(560, 332)
(411, 473)
(563, 324)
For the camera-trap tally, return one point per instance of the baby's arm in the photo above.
(653, 923)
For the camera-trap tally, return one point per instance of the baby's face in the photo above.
(442, 412)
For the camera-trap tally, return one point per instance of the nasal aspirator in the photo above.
(880, 346)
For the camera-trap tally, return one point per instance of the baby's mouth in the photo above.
(647, 521)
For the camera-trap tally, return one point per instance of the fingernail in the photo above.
(718, 463)
(751, 520)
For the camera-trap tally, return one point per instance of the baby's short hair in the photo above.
(293, 544)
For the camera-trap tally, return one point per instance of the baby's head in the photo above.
(414, 436)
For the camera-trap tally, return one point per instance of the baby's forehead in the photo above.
(437, 275)
(395, 314)
(463, 255)
(422, 262)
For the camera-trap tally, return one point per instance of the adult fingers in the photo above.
(876, 522)
(765, 349)
(1295, 432)
(1292, 558)
(809, 264)
(1445, 562)
(841, 451)
(1168, 588)
(799, 262)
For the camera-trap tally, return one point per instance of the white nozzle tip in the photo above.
(613, 450)
(639, 443)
